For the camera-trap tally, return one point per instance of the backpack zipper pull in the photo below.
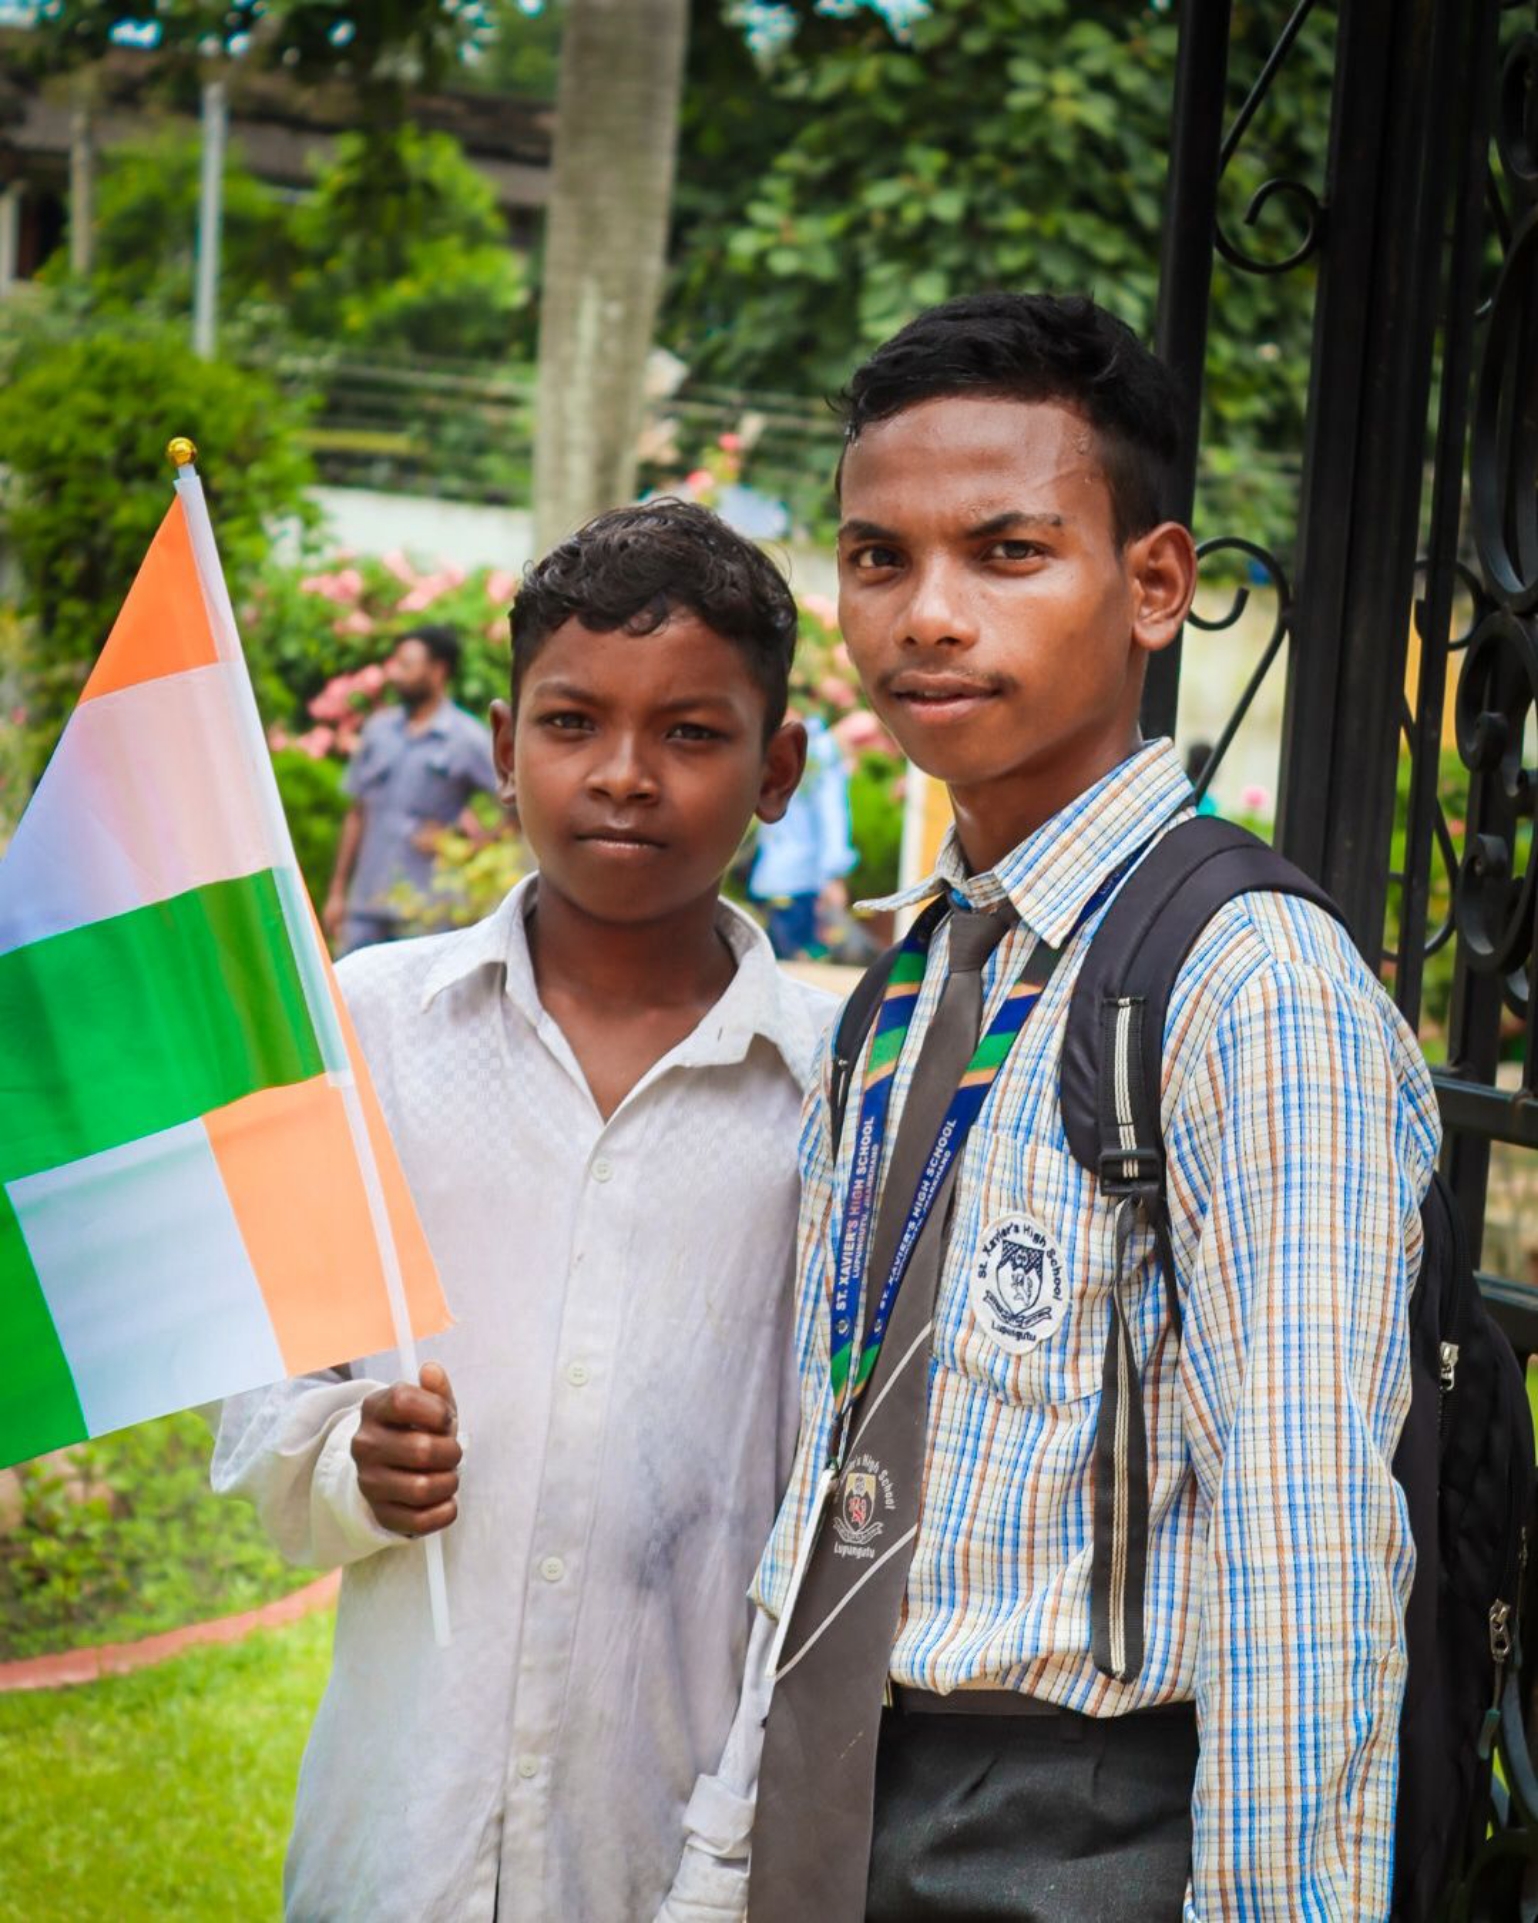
(1500, 1651)
(1449, 1376)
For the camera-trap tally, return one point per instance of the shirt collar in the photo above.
(760, 1000)
(439, 723)
(1052, 874)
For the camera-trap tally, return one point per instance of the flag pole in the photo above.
(304, 933)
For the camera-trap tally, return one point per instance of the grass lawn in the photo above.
(162, 1795)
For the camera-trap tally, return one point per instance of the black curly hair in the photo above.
(634, 567)
(1037, 347)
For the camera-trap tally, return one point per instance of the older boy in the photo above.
(595, 1096)
(1006, 570)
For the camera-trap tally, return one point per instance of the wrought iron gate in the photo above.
(1419, 498)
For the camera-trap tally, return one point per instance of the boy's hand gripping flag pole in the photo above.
(198, 1191)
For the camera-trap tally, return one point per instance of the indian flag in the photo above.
(198, 1193)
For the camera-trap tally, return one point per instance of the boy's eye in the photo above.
(1013, 551)
(565, 721)
(693, 731)
(869, 559)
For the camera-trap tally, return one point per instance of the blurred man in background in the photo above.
(802, 859)
(417, 766)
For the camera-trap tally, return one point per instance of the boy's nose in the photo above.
(938, 612)
(624, 775)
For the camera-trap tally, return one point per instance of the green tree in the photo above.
(83, 427)
(429, 271)
(862, 174)
(146, 230)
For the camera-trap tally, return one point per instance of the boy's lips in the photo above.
(620, 841)
(940, 697)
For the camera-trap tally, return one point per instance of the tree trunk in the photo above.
(605, 244)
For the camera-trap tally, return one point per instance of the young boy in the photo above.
(595, 1096)
(1005, 572)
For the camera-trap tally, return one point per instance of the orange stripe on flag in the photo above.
(425, 1304)
(163, 626)
(287, 1161)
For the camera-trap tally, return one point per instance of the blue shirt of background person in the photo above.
(416, 767)
(807, 849)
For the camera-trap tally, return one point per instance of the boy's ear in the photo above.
(1162, 566)
(502, 720)
(784, 764)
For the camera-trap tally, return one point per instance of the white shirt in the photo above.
(626, 1387)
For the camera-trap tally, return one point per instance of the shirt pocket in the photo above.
(1026, 1300)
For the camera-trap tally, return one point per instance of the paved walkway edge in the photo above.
(117, 1659)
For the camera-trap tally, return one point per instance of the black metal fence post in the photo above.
(1365, 448)
(1185, 276)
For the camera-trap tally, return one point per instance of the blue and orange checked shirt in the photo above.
(1301, 1131)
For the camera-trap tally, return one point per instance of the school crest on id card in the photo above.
(1019, 1284)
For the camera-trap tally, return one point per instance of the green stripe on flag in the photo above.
(136, 1023)
(39, 1410)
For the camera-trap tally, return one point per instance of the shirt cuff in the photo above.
(707, 1888)
(343, 1526)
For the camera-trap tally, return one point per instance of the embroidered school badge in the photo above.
(1019, 1288)
(854, 1513)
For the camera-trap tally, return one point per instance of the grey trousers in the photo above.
(1054, 1819)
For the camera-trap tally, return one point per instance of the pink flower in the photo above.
(18, 717)
(323, 585)
(859, 732)
(428, 589)
(501, 586)
(496, 630)
(820, 608)
(730, 443)
(841, 660)
(317, 743)
(698, 481)
(355, 623)
(399, 566)
(1256, 801)
(837, 693)
(340, 697)
(277, 738)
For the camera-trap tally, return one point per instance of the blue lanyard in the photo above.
(849, 1377)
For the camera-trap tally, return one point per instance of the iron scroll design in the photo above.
(1280, 187)
(1490, 1088)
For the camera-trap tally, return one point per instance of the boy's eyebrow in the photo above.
(1004, 523)
(564, 691)
(865, 531)
(1010, 519)
(707, 698)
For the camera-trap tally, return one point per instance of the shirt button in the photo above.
(602, 1169)
(528, 1766)
(577, 1374)
(552, 1569)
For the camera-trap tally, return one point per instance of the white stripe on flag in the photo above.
(145, 797)
(149, 1322)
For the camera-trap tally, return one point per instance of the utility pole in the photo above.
(205, 306)
(82, 197)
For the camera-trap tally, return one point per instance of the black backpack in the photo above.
(1465, 1459)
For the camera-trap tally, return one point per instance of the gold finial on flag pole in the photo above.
(181, 452)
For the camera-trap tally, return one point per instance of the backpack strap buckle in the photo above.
(1136, 1171)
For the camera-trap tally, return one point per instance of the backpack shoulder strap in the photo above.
(1113, 1048)
(1113, 1054)
(857, 1015)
